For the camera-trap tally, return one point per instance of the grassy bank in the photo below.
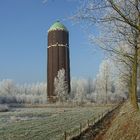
(126, 125)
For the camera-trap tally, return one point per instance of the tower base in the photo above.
(52, 99)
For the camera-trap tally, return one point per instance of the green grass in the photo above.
(44, 123)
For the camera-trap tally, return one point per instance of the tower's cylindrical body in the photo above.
(58, 56)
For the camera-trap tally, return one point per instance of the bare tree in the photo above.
(119, 22)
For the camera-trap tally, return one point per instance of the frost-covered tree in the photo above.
(90, 85)
(121, 90)
(104, 81)
(8, 90)
(81, 91)
(32, 93)
(123, 72)
(91, 93)
(7, 87)
(61, 87)
(73, 87)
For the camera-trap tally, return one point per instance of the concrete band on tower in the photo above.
(58, 56)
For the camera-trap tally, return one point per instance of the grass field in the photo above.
(44, 123)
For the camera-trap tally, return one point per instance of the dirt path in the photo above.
(97, 131)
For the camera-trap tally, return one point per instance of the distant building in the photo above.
(58, 56)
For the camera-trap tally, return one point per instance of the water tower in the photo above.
(58, 56)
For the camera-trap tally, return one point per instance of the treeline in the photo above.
(109, 86)
(10, 92)
(105, 88)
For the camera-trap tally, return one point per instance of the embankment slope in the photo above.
(125, 126)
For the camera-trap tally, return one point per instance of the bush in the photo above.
(4, 108)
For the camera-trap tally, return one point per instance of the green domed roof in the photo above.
(57, 26)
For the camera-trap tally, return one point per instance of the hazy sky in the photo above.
(23, 40)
